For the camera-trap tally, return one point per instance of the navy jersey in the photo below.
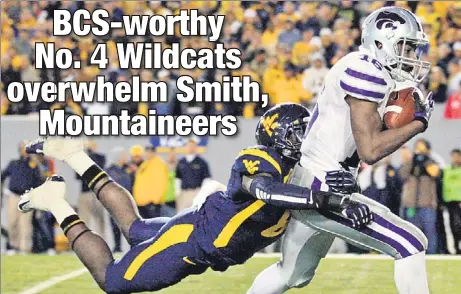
(228, 229)
(233, 225)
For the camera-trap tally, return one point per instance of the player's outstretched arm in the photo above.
(289, 196)
(373, 144)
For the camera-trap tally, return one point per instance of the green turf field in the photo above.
(339, 276)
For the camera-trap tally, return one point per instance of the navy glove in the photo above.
(358, 213)
(342, 181)
(423, 110)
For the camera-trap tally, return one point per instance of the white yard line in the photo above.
(364, 256)
(53, 281)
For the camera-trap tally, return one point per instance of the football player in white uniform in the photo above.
(347, 127)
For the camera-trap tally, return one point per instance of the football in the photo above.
(400, 109)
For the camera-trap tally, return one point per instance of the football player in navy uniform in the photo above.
(227, 228)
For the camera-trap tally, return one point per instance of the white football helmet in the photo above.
(395, 38)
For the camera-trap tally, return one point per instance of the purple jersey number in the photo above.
(375, 62)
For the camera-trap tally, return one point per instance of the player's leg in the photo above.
(99, 213)
(302, 250)
(115, 198)
(388, 234)
(144, 229)
(90, 248)
(159, 262)
(454, 210)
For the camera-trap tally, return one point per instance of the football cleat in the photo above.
(38, 198)
(57, 147)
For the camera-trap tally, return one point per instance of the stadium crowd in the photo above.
(286, 46)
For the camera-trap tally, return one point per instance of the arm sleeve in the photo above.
(7, 172)
(363, 78)
(291, 196)
(206, 170)
(178, 172)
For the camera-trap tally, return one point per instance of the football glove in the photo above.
(342, 181)
(423, 108)
(358, 213)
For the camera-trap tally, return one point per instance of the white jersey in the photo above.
(329, 144)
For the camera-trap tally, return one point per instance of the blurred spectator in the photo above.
(289, 87)
(444, 57)
(137, 158)
(454, 70)
(23, 174)
(349, 12)
(314, 76)
(169, 208)
(121, 174)
(303, 48)
(271, 75)
(326, 14)
(28, 71)
(405, 155)
(382, 183)
(419, 194)
(43, 222)
(452, 196)
(150, 184)
(329, 47)
(308, 20)
(259, 63)
(437, 83)
(167, 108)
(290, 35)
(10, 73)
(89, 208)
(22, 44)
(453, 106)
(191, 172)
(270, 37)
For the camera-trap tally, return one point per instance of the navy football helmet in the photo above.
(282, 127)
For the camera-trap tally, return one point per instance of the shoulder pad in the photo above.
(365, 78)
(259, 159)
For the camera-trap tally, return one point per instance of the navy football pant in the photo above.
(160, 261)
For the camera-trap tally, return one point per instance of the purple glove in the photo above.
(359, 214)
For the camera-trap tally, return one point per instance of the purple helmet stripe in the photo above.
(369, 232)
(408, 236)
(362, 92)
(365, 77)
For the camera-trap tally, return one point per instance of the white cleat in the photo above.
(57, 147)
(53, 189)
